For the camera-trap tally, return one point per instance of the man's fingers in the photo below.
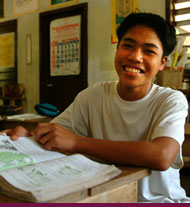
(41, 130)
(11, 133)
(19, 131)
(44, 139)
(14, 137)
(6, 131)
(49, 145)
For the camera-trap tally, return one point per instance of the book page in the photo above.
(51, 179)
(23, 152)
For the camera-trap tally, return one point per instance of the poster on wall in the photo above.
(1, 8)
(24, 6)
(59, 3)
(7, 50)
(120, 9)
(65, 44)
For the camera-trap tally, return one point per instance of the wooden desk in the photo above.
(122, 189)
(28, 124)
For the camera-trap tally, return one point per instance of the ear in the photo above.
(163, 63)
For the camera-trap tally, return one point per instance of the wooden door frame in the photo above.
(45, 19)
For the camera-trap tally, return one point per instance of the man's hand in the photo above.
(53, 136)
(17, 132)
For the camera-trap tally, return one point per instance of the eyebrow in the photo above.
(134, 41)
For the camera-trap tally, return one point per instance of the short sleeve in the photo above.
(174, 110)
(75, 117)
(171, 122)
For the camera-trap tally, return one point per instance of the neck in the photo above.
(132, 93)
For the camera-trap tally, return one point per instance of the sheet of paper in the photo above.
(25, 116)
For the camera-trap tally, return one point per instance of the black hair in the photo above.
(165, 31)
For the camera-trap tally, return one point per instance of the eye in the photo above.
(126, 45)
(150, 51)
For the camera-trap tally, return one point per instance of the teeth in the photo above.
(133, 70)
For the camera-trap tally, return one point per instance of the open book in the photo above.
(30, 173)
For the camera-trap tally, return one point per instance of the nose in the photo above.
(136, 55)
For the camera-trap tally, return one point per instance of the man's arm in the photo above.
(158, 154)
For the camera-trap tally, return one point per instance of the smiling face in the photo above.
(137, 61)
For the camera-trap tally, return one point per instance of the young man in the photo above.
(131, 121)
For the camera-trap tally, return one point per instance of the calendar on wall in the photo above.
(65, 46)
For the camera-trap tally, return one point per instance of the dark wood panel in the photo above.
(61, 90)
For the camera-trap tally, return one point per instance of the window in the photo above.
(178, 13)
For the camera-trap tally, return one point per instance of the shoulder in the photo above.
(99, 88)
(169, 101)
(169, 94)
(105, 85)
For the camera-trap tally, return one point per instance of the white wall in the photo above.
(154, 6)
(100, 50)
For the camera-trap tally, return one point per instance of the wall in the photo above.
(157, 7)
(100, 50)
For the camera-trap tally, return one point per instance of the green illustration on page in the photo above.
(36, 176)
(10, 157)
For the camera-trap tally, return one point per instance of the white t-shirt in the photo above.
(99, 112)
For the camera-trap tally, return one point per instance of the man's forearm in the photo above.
(157, 154)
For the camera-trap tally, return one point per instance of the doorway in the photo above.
(63, 55)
